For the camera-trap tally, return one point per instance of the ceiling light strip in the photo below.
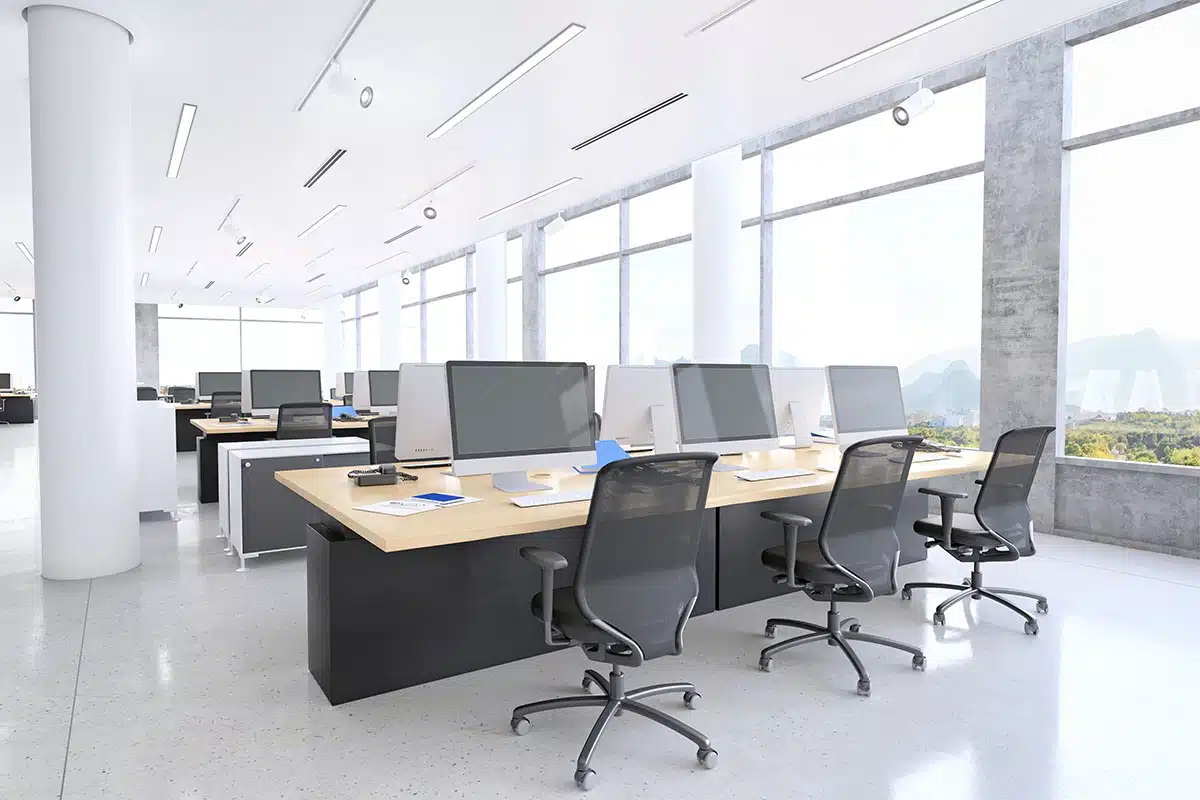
(187, 116)
(315, 277)
(229, 213)
(318, 258)
(25, 252)
(155, 235)
(191, 269)
(438, 186)
(320, 173)
(531, 198)
(208, 285)
(908, 36)
(330, 214)
(721, 17)
(670, 101)
(318, 289)
(242, 252)
(337, 51)
(258, 269)
(145, 279)
(389, 258)
(402, 234)
(222, 297)
(541, 54)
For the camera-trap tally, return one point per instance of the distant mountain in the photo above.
(1119, 359)
(955, 388)
(938, 363)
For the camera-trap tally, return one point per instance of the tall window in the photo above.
(660, 305)
(1133, 357)
(583, 319)
(280, 338)
(446, 329)
(662, 214)
(594, 234)
(16, 342)
(514, 299)
(197, 339)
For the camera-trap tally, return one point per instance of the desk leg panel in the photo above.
(206, 461)
(186, 433)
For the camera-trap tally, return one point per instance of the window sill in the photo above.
(1130, 466)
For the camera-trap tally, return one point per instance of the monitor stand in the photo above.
(662, 431)
(720, 467)
(803, 440)
(516, 482)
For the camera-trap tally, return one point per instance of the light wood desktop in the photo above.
(211, 427)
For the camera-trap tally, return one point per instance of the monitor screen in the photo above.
(209, 382)
(5, 380)
(348, 379)
(866, 399)
(383, 385)
(271, 388)
(515, 408)
(724, 402)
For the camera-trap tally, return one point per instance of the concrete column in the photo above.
(1022, 248)
(533, 257)
(79, 115)
(145, 321)
(331, 311)
(491, 299)
(391, 298)
(715, 255)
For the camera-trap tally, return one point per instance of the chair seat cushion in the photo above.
(966, 531)
(811, 566)
(656, 638)
(568, 619)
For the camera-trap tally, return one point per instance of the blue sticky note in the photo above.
(607, 451)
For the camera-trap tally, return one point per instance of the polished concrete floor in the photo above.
(185, 679)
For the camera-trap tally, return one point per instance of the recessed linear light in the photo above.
(402, 234)
(318, 289)
(908, 36)
(187, 115)
(173, 295)
(719, 18)
(25, 252)
(337, 51)
(258, 269)
(145, 279)
(531, 197)
(155, 235)
(670, 101)
(541, 54)
(222, 297)
(437, 186)
(321, 170)
(208, 285)
(242, 252)
(318, 258)
(315, 277)
(229, 213)
(192, 268)
(389, 258)
(330, 214)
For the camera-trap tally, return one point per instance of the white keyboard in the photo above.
(772, 474)
(551, 498)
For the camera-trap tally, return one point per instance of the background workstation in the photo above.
(1008, 249)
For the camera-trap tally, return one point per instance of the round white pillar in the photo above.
(79, 116)
(715, 233)
(491, 300)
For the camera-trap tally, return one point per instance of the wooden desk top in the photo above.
(191, 406)
(18, 394)
(494, 516)
(213, 427)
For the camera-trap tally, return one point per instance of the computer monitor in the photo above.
(381, 387)
(209, 382)
(422, 413)
(639, 409)
(798, 394)
(866, 403)
(5, 381)
(510, 416)
(344, 384)
(724, 408)
(265, 390)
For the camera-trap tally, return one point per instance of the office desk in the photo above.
(214, 432)
(399, 601)
(17, 409)
(185, 433)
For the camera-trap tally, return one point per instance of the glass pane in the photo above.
(876, 151)
(197, 312)
(410, 335)
(447, 278)
(750, 188)
(746, 297)
(893, 280)
(660, 305)
(661, 214)
(1138, 73)
(350, 307)
(583, 318)
(273, 314)
(1133, 353)
(514, 327)
(188, 346)
(446, 329)
(368, 301)
(349, 346)
(16, 349)
(594, 234)
(514, 258)
(282, 345)
(369, 331)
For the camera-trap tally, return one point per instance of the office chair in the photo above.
(381, 432)
(147, 393)
(182, 394)
(1000, 530)
(225, 403)
(855, 555)
(596, 423)
(635, 586)
(304, 421)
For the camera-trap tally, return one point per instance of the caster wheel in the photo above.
(764, 664)
(587, 684)
(939, 618)
(769, 632)
(966, 581)
(585, 779)
(864, 688)
(690, 698)
(520, 725)
(707, 758)
(855, 628)
(1043, 607)
(906, 594)
(918, 663)
(1031, 628)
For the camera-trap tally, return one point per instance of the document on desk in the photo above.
(409, 506)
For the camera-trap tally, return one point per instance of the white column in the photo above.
(79, 116)
(491, 299)
(391, 298)
(714, 254)
(331, 311)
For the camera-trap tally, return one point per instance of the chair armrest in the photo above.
(942, 494)
(979, 481)
(947, 499)
(549, 562)
(792, 523)
(787, 518)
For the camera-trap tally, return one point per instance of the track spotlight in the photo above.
(916, 104)
(429, 212)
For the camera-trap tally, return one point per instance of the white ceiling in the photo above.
(247, 63)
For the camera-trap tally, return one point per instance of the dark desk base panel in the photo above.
(186, 433)
(206, 457)
(18, 410)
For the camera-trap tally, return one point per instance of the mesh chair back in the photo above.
(858, 534)
(304, 421)
(225, 403)
(1003, 503)
(381, 432)
(147, 393)
(637, 565)
(182, 394)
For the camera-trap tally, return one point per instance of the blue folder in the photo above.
(607, 451)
